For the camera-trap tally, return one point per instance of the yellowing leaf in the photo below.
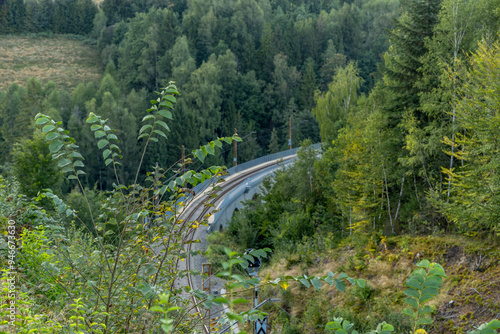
(420, 331)
(284, 284)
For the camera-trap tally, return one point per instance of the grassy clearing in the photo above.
(63, 60)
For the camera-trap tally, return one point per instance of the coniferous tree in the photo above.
(182, 64)
(274, 145)
(15, 119)
(403, 60)
(16, 15)
(46, 15)
(308, 85)
(4, 17)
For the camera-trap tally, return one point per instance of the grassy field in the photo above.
(65, 61)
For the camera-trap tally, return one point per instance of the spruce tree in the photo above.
(308, 85)
(16, 15)
(403, 60)
(4, 17)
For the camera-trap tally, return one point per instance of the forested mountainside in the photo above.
(403, 95)
(246, 65)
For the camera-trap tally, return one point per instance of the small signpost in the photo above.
(206, 269)
(261, 326)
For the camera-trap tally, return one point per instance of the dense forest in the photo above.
(414, 154)
(244, 65)
(403, 96)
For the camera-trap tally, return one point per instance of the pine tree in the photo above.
(274, 145)
(403, 60)
(308, 85)
(46, 16)
(16, 15)
(182, 64)
(4, 17)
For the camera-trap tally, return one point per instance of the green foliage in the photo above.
(342, 326)
(333, 107)
(423, 285)
(129, 236)
(488, 328)
(36, 255)
(64, 17)
(33, 165)
(289, 210)
(62, 146)
(474, 201)
(26, 320)
(167, 324)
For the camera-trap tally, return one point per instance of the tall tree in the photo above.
(4, 17)
(333, 106)
(475, 199)
(403, 60)
(16, 15)
(33, 164)
(182, 63)
(308, 85)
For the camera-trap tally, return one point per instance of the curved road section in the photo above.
(242, 179)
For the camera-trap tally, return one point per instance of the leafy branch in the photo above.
(160, 109)
(423, 285)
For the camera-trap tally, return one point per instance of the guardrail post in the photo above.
(235, 154)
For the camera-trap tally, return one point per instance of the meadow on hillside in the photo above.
(60, 59)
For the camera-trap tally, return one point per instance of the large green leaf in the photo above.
(102, 143)
(361, 283)
(41, 120)
(145, 127)
(63, 162)
(340, 285)
(332, 325)
(163, 124)
(210, 149)
(52, 135)
(75, 155)
(409, 312)
(99, 134)
(55, 146)
(411, 301)
(161, 133)
(165, 113)
(424, 321)
(200, 155)
(305, 281)
(413, 283)
(112, 136)
(78, 163)
(106, 153)
(412, 293)
(48, 127)
(170, 98)
(92, 118)
(316, 283)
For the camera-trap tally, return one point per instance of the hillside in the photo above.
(60, 59)
(469, 297)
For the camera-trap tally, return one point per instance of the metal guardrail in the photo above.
(251, 181)
(231, 197)
(250, 164)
